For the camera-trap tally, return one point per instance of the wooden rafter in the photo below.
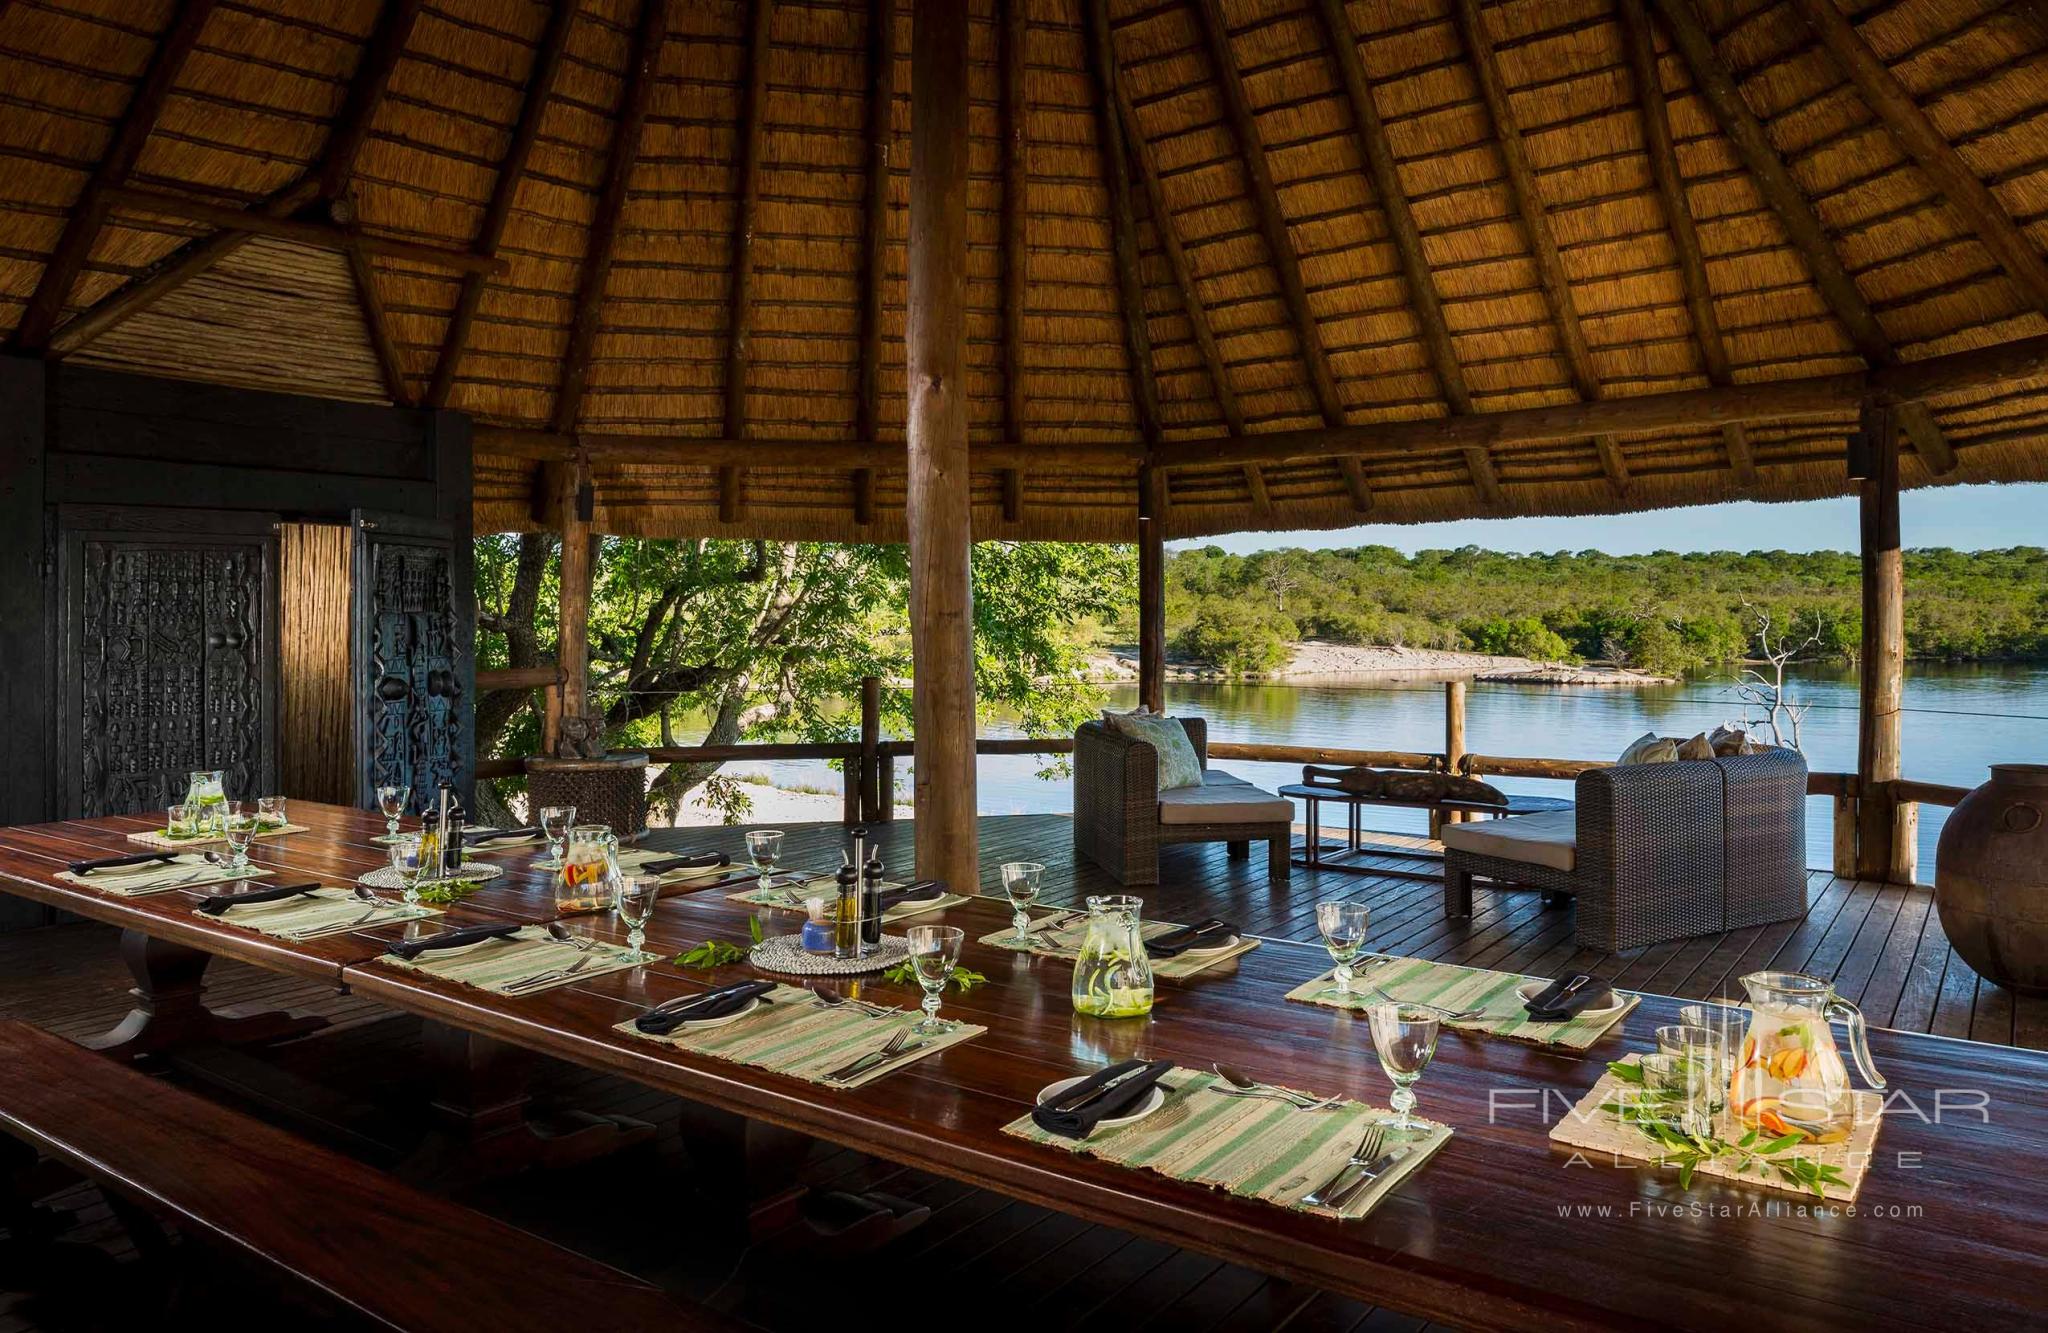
(1692, 264)
(1717, 88)
(739, 342)
(1273, 226)
(547, 61)
(1930, 148)
(378, 323)
(325, 182)
(301, 231)
(83, 226)
(881, 150)
(1014, 31)
(1116, 174)
(641, 67)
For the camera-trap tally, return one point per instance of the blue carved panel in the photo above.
(413, 661)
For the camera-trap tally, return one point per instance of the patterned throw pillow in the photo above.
(1178, 764)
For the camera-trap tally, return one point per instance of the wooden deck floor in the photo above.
(351, 1086)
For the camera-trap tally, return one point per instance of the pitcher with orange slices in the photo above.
(590, 866)
(1788, 1076)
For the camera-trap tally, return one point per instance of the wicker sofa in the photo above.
(1654, 852)
(1122, 819)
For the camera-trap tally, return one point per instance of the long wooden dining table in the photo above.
(1501, 1229)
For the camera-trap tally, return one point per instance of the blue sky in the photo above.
(1969, 518)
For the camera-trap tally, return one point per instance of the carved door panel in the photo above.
(169, 656)
(413, 631)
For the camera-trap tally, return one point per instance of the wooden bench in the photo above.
(368, 1243)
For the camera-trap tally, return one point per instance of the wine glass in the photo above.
(240, 831)
(405, 863)
(633, 898)
(764, 848)
(555, 823)
(1343, 926)
(391, 800)
(933, 952)
(1405, 1037)
(1020, 882)
(270, 811)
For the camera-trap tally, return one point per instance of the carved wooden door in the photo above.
(168, 657)
(413, 633)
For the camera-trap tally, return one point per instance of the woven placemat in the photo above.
(1601, 1134)
(795, 1035)
(492, 965)
(185, 871)
(162, 840)
(325, 911)
(475, 872)
(1254, 1148)
(1454, 987)
(1064, 941)
(786, 954)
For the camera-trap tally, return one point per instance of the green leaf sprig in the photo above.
(1662, 1121)
(905, 973)
(442, 892)
(718, 953)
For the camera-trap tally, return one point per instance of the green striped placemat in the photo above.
(186, 871)
(325, 911)
(493, 965)
(1064, 941)
(162, 840)
(790, 898)
(1254, 1148)
(793, 1034)
(1455, 987)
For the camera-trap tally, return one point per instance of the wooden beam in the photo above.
(1116, 174)
(739, 340)
(1883, 661)
(1936, 454)
(1117, 457)
(941, 536)
(378, 323)
(1151, 591)
(1273, 227)
(1014, 31)
(302, 231)
(572, 643)
(540, 78)
(325, 181)
(82, 228)
(881, 151)
(642, 66)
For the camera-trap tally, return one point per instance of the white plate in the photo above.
(1529, 990)
(1228, 943)
(1154, 1099)
(706, 1024)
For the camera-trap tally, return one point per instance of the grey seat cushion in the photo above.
(1223, 799)
(1550, 839)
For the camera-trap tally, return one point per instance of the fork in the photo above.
(539, 979)
(1453, 1015)
(898, 1044)
(828, 998)
(1363, 1156)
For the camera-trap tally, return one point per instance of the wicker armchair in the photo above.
(1654, 852)
(1118, 821)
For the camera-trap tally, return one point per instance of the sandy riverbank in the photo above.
(772, 805)
(1318, 659)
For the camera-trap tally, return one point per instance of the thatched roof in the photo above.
(606, 221)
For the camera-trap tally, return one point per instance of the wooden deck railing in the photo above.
(869, 765)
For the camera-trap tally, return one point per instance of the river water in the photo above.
(1957, 721)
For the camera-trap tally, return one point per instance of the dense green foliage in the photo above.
(1663, 612)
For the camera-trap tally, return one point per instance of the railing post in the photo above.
(1454, 748)
(1845, 835)
(1905, 842)
(550, 717)
(1884, 648)
(849, 791)
(870, 738)
(885, 788)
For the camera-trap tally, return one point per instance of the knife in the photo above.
(875, 1058)
(1069, 1104)
(1369, 1173)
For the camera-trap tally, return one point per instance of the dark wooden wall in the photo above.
(95, 456)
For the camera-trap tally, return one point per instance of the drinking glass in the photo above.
(1405, 1037)
(1701, 1064)
(180, 822)
(1020, 881)
(270, 811)
(405, 863)
(1343, 927)
(933, 952)
(634, 899)
(239, 831)
(391, 800)
(555, 823)
(764, 847)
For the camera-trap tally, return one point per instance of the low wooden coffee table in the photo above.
(1316, 854)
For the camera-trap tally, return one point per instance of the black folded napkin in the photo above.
(1552, 1005)
(1205, 934)
(216, 903)
(478, 837)
(109, 862)
(685, 861)
(923, 891)
(1080, 1122)
(711, 1004)
(453, 939)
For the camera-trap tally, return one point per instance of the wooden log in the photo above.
(885, 783)
(1151, 595)
(739, 340)
(1928, 793)
(1123, 225)
(377, 321)
(1319, 754)
(1505, 766)
(302, 231)
(550, 717)
(1105, 456)
(516, 678)
(1883, 660)
(1843, 862)
(1454, 748)
(572, 644)
(941, 589)
(720, 754)
(1905, 852)
(870, 740)
(881, 148)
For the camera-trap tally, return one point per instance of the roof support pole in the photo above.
(881, 149)
(1151, 591)
(1883, 660)
(941, 583)
(746, 218)
(1116, 174)
(573, 508)
(1013, 32)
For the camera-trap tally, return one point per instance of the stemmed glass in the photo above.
(405, 863)
(239, 830)
(1343, 926)
(764, 848)
(633, 898)
(1020, 882)
(1405, 1037)
(391, 800)
(933, 952)
(555, 823)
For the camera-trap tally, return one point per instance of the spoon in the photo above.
(832, 999)
(570, 937)
(1248, 1087)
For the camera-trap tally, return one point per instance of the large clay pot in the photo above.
(1991, 878)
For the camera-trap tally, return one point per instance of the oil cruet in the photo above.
(1113, 973)
(1789, 1077)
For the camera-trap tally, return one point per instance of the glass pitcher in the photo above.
(1789, 1077)
(590, 867)
(1113, 973)
(206, 803)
